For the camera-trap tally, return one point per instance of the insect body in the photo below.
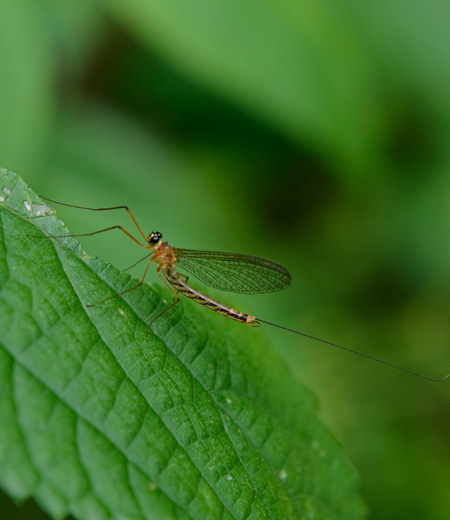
(230, 272)
(225, 271)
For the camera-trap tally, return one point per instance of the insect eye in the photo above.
(155, 238)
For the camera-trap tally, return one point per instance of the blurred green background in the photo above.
(316, 134)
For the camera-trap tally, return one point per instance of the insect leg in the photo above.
(126, 290)
(93, 233)
(126, 208)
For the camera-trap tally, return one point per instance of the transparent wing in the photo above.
(233, 272)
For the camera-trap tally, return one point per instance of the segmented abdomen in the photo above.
(190, 292)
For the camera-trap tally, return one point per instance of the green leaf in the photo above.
(76, 28)
(411, 42)
(298, 65)
(27, 95)
(199, 419)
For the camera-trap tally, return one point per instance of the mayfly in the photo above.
(231, 272)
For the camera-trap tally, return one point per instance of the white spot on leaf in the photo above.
(41, 210)
(27, 205)
(283, 474)
(7, 192)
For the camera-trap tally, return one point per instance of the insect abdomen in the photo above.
(203, 299)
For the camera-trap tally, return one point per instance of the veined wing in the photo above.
(233, 272)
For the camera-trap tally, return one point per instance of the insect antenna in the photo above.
(434, 380)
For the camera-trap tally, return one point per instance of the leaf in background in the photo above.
(26, 89)
(101, 421)
(412, 40)
(76, 27)
(295, 64)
